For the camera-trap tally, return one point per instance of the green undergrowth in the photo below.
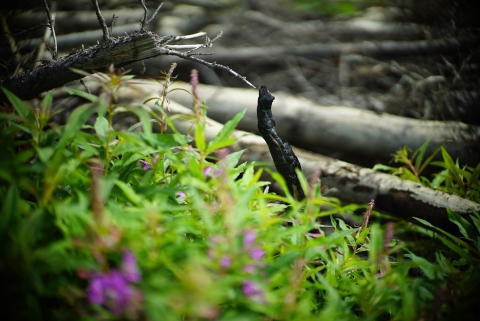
(449, 175)
(98, 224)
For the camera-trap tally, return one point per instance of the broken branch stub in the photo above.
(283, 156)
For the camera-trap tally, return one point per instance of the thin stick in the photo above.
(51, 25)
(113, 22)
(212, 65)
(145, 11)
(144, 22)
(155, 13)
(101, 20)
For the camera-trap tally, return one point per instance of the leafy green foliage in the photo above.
(453, 179)
(327, 7)
(98, 224)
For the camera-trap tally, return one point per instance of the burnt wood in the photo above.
(283, 156)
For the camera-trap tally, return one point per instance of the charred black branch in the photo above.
(283, 156)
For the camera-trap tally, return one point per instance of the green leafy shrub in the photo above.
(98, 224)
(453, 179)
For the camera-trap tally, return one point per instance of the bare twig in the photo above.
(155, 13)
(213, 65)
(113, 22)
(51, 26)
(101, 20)
(144, 22)
(186, 37)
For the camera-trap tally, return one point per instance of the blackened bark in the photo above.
(283, 156)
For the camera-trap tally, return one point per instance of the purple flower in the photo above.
(146, 164)
(110, 289)
(249, 268)
(95, 290)
(253, 291)
(257, 254)
(225, 262)
(129, 267)
(248, 239)
(116, 291)
(207, 171)
(181, 194)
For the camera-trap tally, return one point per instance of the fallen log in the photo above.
(366, 48)
(118, 51)
(363, 132)
(352, 183)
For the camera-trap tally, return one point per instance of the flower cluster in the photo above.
(146, 165)
(113, 289)
(250, 288)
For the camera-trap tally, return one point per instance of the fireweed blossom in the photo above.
(146, 165)
(253, 291)
(113, 289)
(210, 171)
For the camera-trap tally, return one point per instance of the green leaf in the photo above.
(129, 192)
(80, 72)
(453, 169)
(145, 119)
(233, 158)
(19, 105)
(418, 155)
(200, 137)
(9, 209)
(47, 102)
(408, 175)
(75, 122)
(219, 141)
(303, 180)
(101, 127)
(475, 176)
(45, 153)
(427, 162)
(450, 244)
(83, 94)
(381, 167)
(465, 227)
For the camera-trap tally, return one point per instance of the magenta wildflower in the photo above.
(207, 171)
(129, 267)
(110, 289)
(253, 291)
(113, 289)
(95, 290)
(257, 254)
(210, 171)
(249, 268)
(225, 262)
(181, 194)
(146, 164)
(248, 238)
(194, 82)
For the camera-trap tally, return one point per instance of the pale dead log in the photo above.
(403, 199)
(86, 38)
(78, 20)
(357, 29)
(366, 48)
(363, 132)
